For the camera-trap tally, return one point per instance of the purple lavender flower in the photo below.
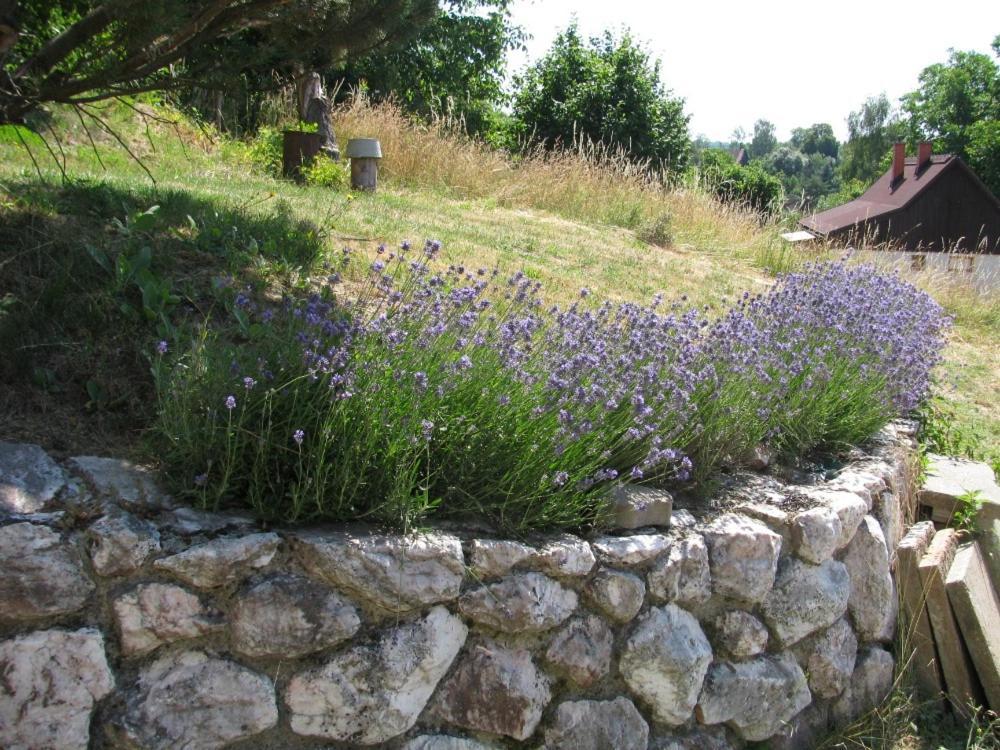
(298, 436)
(560, 478)
(230, 402)
(200, 480)
(249, 383)
(161, 347)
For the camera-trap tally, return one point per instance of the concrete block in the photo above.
(977, 610)
(959, 673)
(915, 623)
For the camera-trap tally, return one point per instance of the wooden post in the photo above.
(978, 613)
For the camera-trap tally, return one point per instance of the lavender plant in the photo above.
(460, 393)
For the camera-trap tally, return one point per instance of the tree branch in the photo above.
(57, 48)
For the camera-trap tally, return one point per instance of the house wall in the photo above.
(980, 271)
(128, 621)
(952, 210)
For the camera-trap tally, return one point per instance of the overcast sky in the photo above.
(783, 61)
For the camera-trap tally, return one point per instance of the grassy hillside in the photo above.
(582, 219)
(97, 261)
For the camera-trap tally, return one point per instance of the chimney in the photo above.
(898, 157)
(923, 155)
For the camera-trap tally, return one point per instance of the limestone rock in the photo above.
(634, 506)
(566, 555)
(49, 683)
(873, 596)
(683, 575)
(29, 479)
(395, 573)
(665, 660)
(290, 616)
(121, 543)
(816, 533)
(582, 650)
(156, 613)
(492, 558)
(865, 484)
(187, 521)
(597, 725)
(828, 658)
(805, 731)
(806, 598)
(754, 697)
(372, 693)
(619, 595)
(221, 560)
(776, 519)
(682, 519)
(189, 700)
(758, 458)
(132, 486)
(497, 690)
(850, 509)
(701, 738)
(522, 603)
(869, 685)
(631, 550)
(443, 742)
(41, 574)
(739, 634)
(743, 555)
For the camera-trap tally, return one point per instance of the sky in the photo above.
(783, 61)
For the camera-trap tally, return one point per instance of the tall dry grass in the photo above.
(586, 181)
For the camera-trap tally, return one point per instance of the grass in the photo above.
(568, 221)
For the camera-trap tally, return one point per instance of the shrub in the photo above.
(325, 172)
(459, 393)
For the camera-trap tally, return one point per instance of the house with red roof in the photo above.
(923, 204)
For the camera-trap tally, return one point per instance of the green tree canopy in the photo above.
(456, 63)
(764, 140)
(608, 90)
(957, 106)
(77, 51)
(816, 139)
(871, 132)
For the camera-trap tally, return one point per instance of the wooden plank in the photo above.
(917, 634)
(959, 673)
(977, 610)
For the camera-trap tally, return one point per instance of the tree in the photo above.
(958, 108)
(607, 90)
(457, 63)
(816, 139)
(871, 132)
(764, 140)
(80, 51)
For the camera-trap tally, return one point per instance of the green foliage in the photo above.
(871, 132)
(751, 186)
(325, 172)
(816, 139)
(958, 108)
(965, 517)
(77, 51)
(456, 65)
(607, 90)
(764, 140)
(944, 430)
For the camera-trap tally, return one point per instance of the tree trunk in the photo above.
(314, 107)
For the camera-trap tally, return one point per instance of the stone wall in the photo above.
(127, 621)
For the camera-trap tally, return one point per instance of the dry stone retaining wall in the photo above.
(127, 621)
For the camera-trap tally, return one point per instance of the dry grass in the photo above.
(588, 182)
